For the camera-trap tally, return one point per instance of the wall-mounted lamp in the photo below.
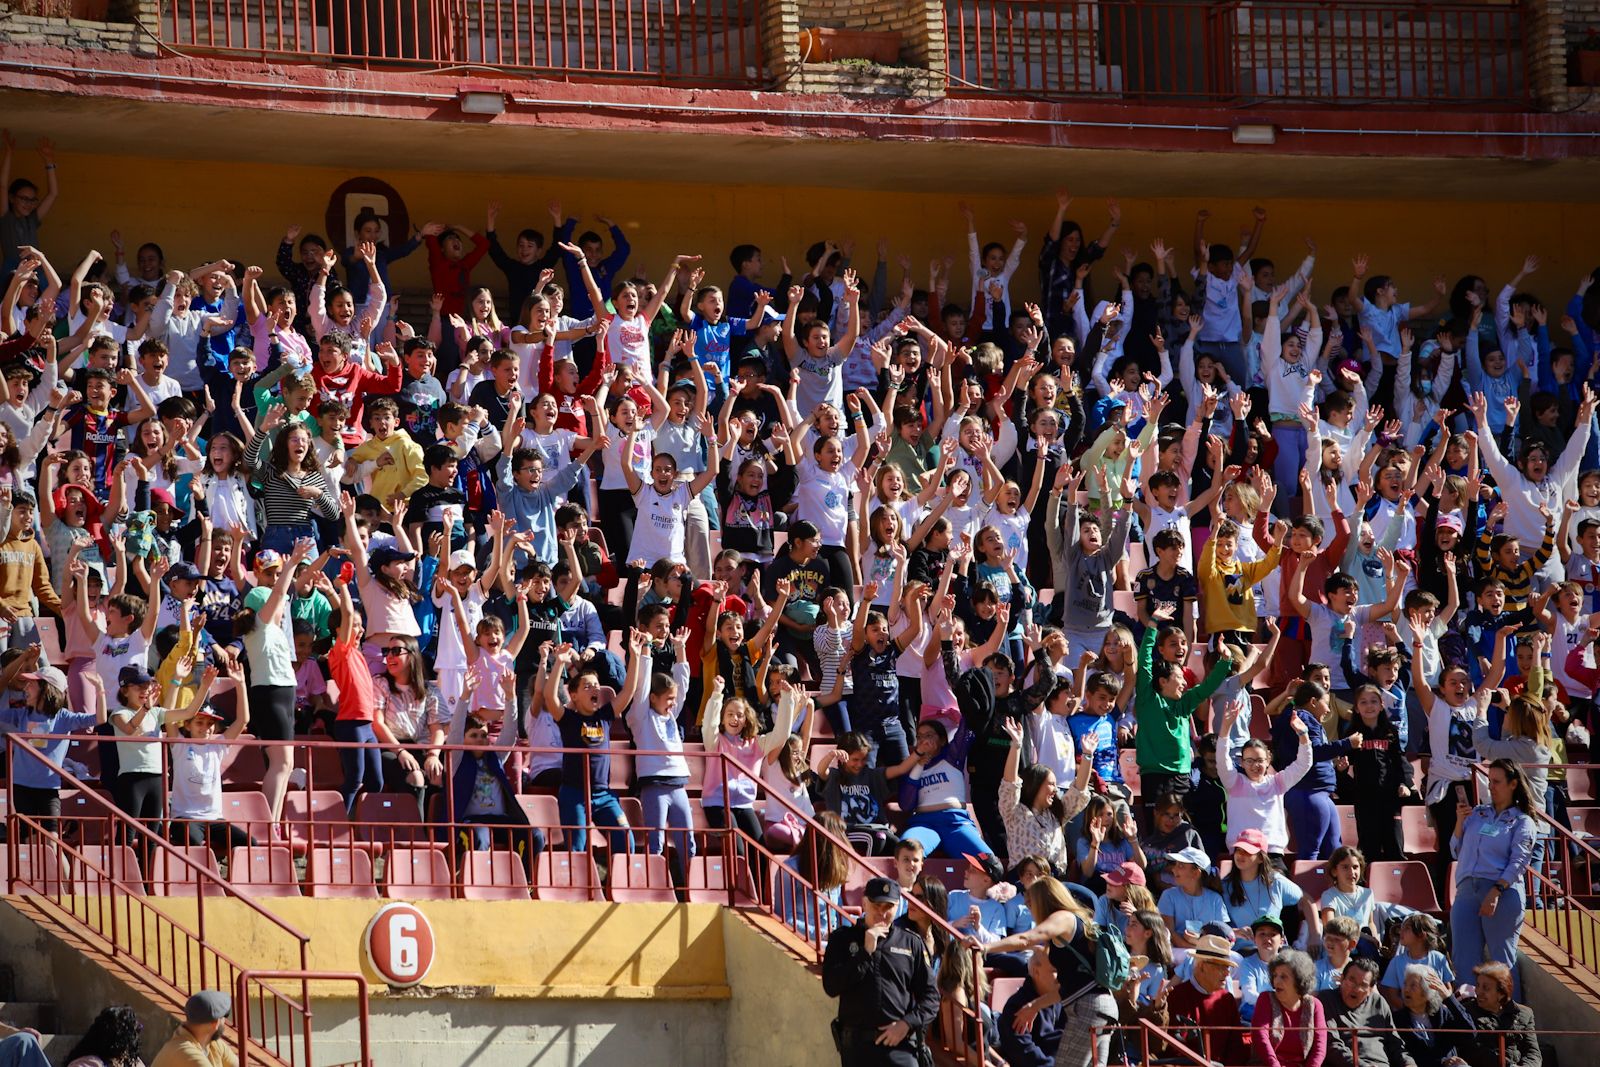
(1255, 133)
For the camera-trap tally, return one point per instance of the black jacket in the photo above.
(893, 983)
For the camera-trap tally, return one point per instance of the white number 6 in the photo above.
(402, 945)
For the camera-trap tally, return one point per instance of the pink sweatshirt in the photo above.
(1259, 805)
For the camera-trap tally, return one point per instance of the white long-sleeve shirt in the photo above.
(1288, 384)
(1523, 497)
(1416, 412)
(981, 278)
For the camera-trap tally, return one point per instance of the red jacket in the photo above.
(452, 277)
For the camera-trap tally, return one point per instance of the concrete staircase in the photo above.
(34, 1015)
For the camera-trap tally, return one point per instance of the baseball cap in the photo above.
(463, 557)
(882, 891)
(49, 676)
(771, 314)
(208, 1006)
(134, 674)
(387, 554)
(1267, 920)
(208, 712)
(269, 557)
(1451, 521)
(1252, 841)
(184, 571)
(986, 863)
(1192, 855)
(1129, 873)
(163, 496)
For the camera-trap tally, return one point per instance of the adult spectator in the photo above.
(1360, 1024)
(1434, 1026)
(198, 1042)
(1507, 1036)
(20, 1048)
(112, 1040)
(1203, 1008)
(1065, 929)
(1034, 1045)
(884, 981)
(1288, 1023)
(1493, 844)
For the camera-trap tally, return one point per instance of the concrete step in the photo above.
(56, 1046)
(28, 1014)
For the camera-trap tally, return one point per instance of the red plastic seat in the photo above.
(267, 869)
(1418, 834)
(568, 876)
(340, 872)
(636, 878)
(385, 820)
(952, 872)
(1002, 990)
(544, 812)
(416, 874)
(1585, 821)
(1312, 877)
(90, 812)
(248, 810)
(41, 869)
(861, 873)
(171, 877)
(1347, 824)
(318, 819)
(494, 875)
(621, 769)
(710, 876)
(1407, 882)
(100, 862)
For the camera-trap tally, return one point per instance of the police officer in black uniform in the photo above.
(880, 972)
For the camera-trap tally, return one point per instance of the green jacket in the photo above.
(1162, 743)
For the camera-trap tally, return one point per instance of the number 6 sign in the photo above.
(397, 945)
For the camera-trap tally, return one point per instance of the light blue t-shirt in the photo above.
(1385, 325)
(1255, 978)
(1259, 899)
(1395, 976)
(1190, 913)
(1357, 905)
(1327, 974)
(1112, 855)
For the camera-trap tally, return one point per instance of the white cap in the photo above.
(463, 557)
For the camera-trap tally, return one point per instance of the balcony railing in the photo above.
(1235, 52)
(669, 42)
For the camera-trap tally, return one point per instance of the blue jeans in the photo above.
(22, 1050)
(1476, 939)
(666, 804)
(363, 767)
(951, 829)
(607, 811)
(280, 537)
(886, 736)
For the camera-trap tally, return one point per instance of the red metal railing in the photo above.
(705, 43)
(251, 1008)
(1234, 52)
(1166, 1047)
(87, 889)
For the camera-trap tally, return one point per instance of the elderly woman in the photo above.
(1288, 1020)
(1493, 844)
(1433, 1025)
(1501, 1022)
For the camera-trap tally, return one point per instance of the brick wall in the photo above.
(121, 35)
(920, 24)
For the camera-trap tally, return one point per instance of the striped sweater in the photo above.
(284, 505)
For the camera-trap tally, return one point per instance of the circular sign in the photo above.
(398, 945)
(372, 197)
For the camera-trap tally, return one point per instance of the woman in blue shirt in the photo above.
(1492, 845)
(1195, 900)
(1254, 887)
(35, 782)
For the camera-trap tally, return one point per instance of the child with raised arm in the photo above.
(1085, 562)
(992, 268)
(818, 362)
(1162, 707)
(586, 798)
(663, 772)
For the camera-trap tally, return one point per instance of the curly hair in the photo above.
(113, 1036)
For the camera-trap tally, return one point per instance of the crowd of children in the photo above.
(1069, 611)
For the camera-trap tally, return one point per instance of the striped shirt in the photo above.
(281, 496)
(1518, 580)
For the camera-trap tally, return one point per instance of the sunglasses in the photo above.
(397, 651)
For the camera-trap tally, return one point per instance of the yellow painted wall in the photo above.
(539, 948)
(762, 977)
(156, 198)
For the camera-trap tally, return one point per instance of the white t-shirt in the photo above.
(1162, 519)
(628, 341)
(611, 458)
(824, 498)
(111, 654)
(880, 569)
(1328, 639)
(658, 531)
(967, 520)
(1450, 741)
(1013, 533)
(1429, 661)
(1568, 636)
(555, 446)
(451, 655)
(196, 780)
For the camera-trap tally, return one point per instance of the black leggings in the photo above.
(617, 515)
(138, 794)
(746, 820)
(42, 804)
(837, 559)
(219, 836)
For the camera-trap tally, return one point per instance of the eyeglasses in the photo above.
(1257, 762)
(397, 650)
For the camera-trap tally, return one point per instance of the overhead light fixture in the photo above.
(1255, 133)
(481, 103)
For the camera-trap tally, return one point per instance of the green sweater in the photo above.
(1162, 743)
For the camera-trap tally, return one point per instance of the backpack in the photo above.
(1111, 969)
